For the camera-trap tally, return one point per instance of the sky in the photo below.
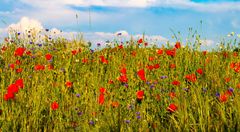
(100, 20)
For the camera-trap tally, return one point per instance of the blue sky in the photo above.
(152, 17)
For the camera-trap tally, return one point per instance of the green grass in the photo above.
(198, 108)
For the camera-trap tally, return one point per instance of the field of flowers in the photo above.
(63, 85)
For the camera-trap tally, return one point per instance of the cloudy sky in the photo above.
(152, 17)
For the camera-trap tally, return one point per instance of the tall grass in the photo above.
(199, 108)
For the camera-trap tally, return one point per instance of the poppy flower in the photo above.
(19, 51)
(178, 45)
(223, 98)
(172, 108)
(19, 83)
(48, 56)
(50, 67)
(102, 90)
(228, 79)
(18, 62)
(191, 77)
(123, 71)
(150, 67)
(84, 60)
(141, 74)
(110, 82)
(134, 53)
(238, 85)
(140, 95)
(151, 58)
(146, 44)
(54, 105)
(4, 48)
(229, 92)
(172, 95)
(19, 70)
(176, 83)
(74, 52)
(171, 52)
(159, 51)
(115, 104)
(12, 66)
(101, 99)
(204, 52)
(172, 66)
(232, 65)
(8, 96)
(68, 84)
(39, 67)
(13, 88)
(140, 41)
(235, 54)
(29, 53)
(123, 78)
(156, 66)
(103, 60)
(199, 71)
(120, 46)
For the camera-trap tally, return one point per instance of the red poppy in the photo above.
(123, 70)
(39, 67)
(172, 66)
(235, 54)
(237, 69)
(140, 41)
(102, 90)
(191, 77)
(204, 52)
(84, 60)
(199, 71)
(145, 44)
(19, 70)
(140, 95)
(101, 99)
(172, 95)
(110, 82)
(13, 88)
(103, 60)
(68, 84)
(123, 78)
(50, 67)
(141, 74)
(176, 83)
(156, 66)
(18, 62)
(8, 96)
(223, 98)
(115, 104)
(178, 45)
(159, 51)
(29, 53)
(54, 105)
(4, 48)
(171, 52)
(227, 79)
(74, 52)
(19, 51)
(232, 65)
(225, 54)
(12, 66)
(172, 108)
(120, 46)
(238, 85)
(134, 53)
(151, 58)
(150, 67)
(48, 56)
(19, 83)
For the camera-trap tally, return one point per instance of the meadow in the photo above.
(62, 85)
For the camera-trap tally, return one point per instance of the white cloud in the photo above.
(207, 42)
(26, 24)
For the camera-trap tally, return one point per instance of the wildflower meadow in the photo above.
(65, 85)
